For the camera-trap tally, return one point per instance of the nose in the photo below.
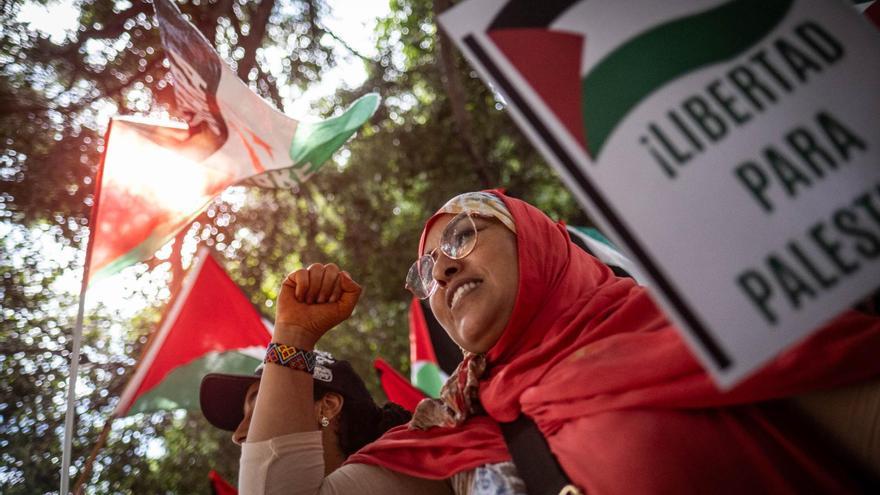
(444, 269)
(239, 436)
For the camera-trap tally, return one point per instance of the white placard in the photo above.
(732, 147)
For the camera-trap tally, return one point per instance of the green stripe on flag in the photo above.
(115, 266)
(315, 142)
(160, 236)
(180, 388)
(644, 64)
(428, 378)
(595, 234)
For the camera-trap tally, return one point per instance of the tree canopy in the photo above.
(440, 131)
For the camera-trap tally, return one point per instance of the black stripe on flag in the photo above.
(524, 14)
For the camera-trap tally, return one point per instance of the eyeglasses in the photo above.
(457, 241)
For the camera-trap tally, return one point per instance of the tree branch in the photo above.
(265, 81)
(110, 30)
(258, 21)
(312, 15)
(115, 91)
(208, 22)
(346, 45)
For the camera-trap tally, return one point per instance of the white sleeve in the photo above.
(294, 465)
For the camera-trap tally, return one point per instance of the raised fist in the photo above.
(313, 300)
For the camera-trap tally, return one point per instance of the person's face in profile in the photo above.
(239, 436)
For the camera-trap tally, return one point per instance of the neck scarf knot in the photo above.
(459, 397)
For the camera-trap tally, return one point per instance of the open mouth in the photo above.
(462, 290)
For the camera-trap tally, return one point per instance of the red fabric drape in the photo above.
(623, 404)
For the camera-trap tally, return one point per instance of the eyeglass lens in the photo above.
(457, 241)
(459, 237)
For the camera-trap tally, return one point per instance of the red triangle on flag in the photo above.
(146, 191)
(420, 346)
(219, 486)
(211, 314)
(396, 387)
(550, 61)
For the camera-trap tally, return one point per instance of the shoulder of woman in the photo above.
(366, 479)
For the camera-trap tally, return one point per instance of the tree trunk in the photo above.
(455, 93)
(258, 22)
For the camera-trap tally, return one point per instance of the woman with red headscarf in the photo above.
(551, 333)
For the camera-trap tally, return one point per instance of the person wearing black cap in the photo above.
(302, 413)
(349, 418)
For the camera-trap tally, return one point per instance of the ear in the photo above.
(330, 405)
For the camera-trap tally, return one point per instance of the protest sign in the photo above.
(732, 147)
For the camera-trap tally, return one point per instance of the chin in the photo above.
(467, 344)
(473, 348)
(477, 343)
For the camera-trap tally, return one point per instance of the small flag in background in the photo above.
(219, 486)
(433, 355)
(593, 242)
(157, 177)
(396, 387)
(210, 327)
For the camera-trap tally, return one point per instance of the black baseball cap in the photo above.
(222, 395)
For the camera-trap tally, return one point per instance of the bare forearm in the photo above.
(311, 301)
(284, 403)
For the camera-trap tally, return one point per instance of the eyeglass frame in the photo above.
(470, 215)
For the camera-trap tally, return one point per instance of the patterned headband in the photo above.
(483, 203)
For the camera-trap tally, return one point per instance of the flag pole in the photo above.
(77, 331)
(105, 432)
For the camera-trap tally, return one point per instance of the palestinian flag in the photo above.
(210, 327)
(157, 176)
(396, 387)
(433, 355)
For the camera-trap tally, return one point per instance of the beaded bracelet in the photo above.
(290, 356)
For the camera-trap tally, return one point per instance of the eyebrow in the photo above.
(426, 251)
(479, 221)
(485, 220)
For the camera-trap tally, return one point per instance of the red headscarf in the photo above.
(584, 348)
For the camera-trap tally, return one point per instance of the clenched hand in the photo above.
(312, 301)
